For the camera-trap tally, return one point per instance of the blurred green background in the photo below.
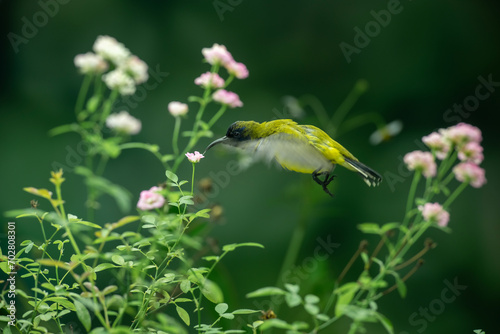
(426, 59)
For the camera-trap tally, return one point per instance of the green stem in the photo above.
(411, 196)
(147, 147)
(83, 93)
(455, 194)
(175, 136)
(107, 106)
(192, 181)
(359, 89)
(218, 115)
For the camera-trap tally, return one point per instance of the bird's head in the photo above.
(237, 133)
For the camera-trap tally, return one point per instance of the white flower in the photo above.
(177, 108)
(386, 132)
(123, 122)
(90, 63)
(118, 79)
(109, 48)
(137, 69)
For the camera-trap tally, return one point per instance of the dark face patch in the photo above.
(237, 132)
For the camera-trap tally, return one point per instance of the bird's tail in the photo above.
(371, 177)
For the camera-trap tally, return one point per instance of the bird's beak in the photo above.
(218, 141)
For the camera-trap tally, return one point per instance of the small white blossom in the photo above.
(137, 69)
(90, 63)
(118, 79)
(109, 48)
(123, 122)
(177, 108)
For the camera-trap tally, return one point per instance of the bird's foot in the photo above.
(325, 182)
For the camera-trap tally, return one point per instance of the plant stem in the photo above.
(175, 136)
(411, 196)
(83, 93)
(359, 88)
(455, 194)
(218, 115)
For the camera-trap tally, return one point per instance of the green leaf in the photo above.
(229, 316)
(186, 200)
(83, 315)
(293, 288)
(185, 286)
(171, 176)
(221, 308)
(118, 260)
(311, 309)
(183, 315)
(86, 223)
(293, 299)
(231, 247)
(212, 292)
(400, 284)
(244, 311)
(385, 322)
(389, 226)
(203, 213)
(167, 157)
(267, 291)
(358, 313)
(345, 294)
(311, 299)
(371, 228)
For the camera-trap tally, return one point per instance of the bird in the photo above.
(299, 148)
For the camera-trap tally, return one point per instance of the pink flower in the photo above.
(229, 98)
(211, 80)
(472, 152)
(239, 70)
(423, 161)
(434, 212)
(461, 134)
(151, 199)
(194, 157)
(471, 173)
(177, 108)
(436, 142)
(217, 54)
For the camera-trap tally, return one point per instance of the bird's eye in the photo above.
(236, 134)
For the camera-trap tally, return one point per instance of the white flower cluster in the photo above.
(128, 70)
(123, 122)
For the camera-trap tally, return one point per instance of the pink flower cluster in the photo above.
(151, 199)
(228, 98)
(218, 54)
(421, 161)
(434, 212)
(466, 140)
(471, 173)
(194, 157)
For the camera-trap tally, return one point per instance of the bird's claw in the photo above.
(324, 183)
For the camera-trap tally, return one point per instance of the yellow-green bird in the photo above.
(300, 148)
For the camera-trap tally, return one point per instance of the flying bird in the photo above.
(299, 148)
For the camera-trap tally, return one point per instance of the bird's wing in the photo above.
(289, 151)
